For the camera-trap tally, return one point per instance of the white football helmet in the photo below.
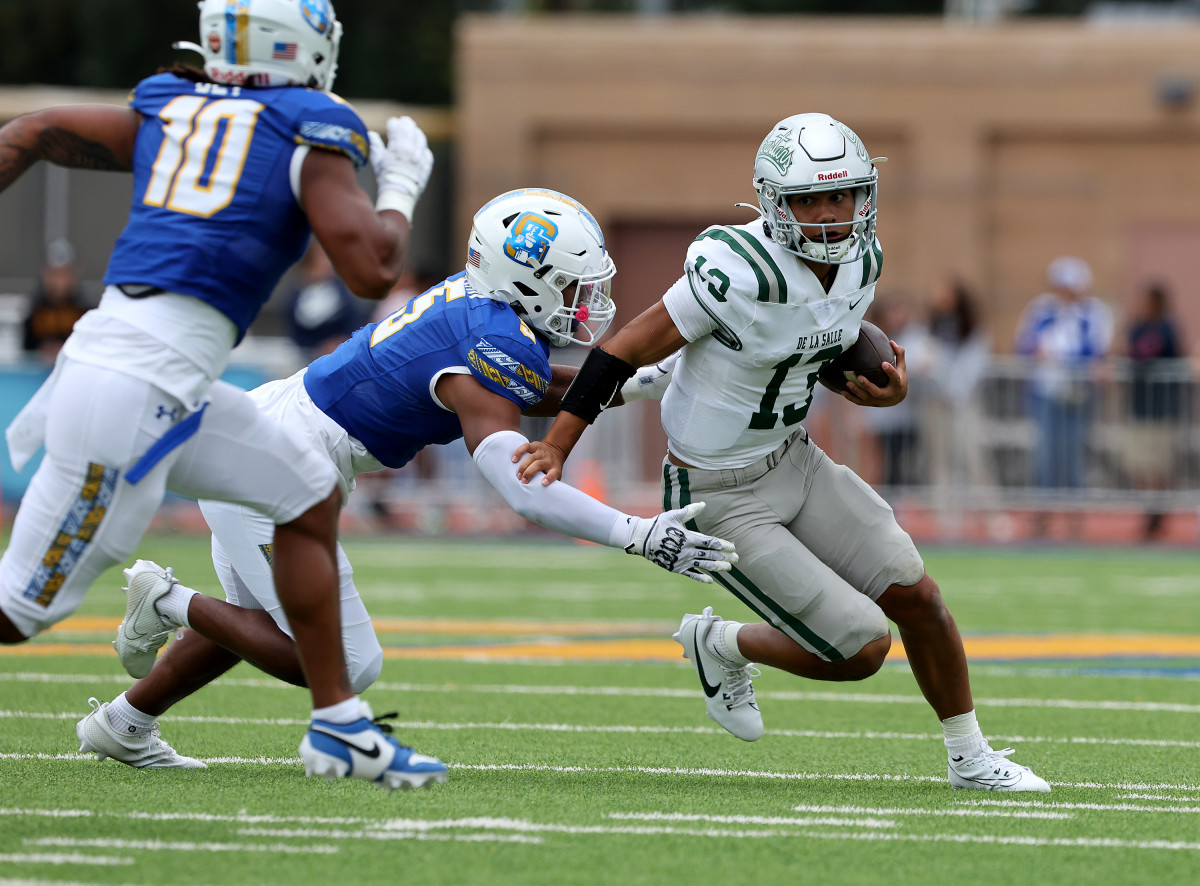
(528, 247)
(269, 42)
(806, 153)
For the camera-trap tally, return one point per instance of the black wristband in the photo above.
(595, 385)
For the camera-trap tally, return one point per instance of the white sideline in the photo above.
(649, 692)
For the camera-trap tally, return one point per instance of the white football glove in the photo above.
(650, 382)
(402, 166)
(665, 541)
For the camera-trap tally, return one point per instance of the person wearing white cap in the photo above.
(1067, 332)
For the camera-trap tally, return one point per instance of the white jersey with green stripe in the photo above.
(759, 325)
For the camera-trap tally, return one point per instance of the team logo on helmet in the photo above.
(859, 147)
(529, 239)
(777, 151)
(317, 14)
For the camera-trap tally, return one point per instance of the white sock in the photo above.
(962, 734)
(724, 644)
(173, 605)
(343, 712)
(127, 719)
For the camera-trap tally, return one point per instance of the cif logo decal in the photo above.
(530, 239)
(317, 13)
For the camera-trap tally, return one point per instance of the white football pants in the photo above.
(80, 516)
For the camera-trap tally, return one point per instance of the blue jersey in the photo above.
(379, 384)
(213, 214)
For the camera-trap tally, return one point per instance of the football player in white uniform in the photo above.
(823, 562)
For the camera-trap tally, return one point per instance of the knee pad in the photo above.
(364, 674)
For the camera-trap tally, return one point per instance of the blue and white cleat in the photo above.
(364, 749)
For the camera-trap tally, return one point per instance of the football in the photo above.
(865, 357)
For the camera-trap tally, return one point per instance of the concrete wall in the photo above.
(1007, 145)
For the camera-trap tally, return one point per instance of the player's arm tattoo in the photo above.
(59, 146)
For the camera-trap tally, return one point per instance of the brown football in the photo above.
(865, 357)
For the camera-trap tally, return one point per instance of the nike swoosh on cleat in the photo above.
(956, 759)
(372, 751)
(709, 689)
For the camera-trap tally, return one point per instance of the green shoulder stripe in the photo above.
(872, 264)
(771, 285)
(722, 333)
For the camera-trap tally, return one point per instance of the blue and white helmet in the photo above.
(269, 42)
(806, 153)
(528, 247)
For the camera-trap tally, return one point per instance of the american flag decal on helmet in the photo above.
(473, 257)
(284, 52)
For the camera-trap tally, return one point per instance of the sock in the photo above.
(343, 712)
(173, 605)
(962, 735)
(724, 643)
(127, 719)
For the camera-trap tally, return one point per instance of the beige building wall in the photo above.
(1007, 145)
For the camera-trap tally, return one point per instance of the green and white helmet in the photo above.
(808, 153)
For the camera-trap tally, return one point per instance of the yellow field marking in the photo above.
(635, 640)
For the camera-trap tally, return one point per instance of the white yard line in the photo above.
(650, 692)
(651, 770)
(1096, 807)
(62, 858)
(178, 846)
(634, 729)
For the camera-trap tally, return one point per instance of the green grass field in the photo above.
(579, 752)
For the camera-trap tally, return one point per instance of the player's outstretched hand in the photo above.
(539, 456)
(864, 393)
(402, 166)
(666, 541)
(650, 382)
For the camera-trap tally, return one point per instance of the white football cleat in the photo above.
(144, 631)
(363, 749)
(991, 770)
(729, 694)
(145, 751)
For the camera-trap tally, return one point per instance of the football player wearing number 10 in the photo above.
(823, 562)
(233, 168)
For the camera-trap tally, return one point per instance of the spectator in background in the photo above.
(55, 305)
(1157, 388)
(959, 352)
(1067, 332)
(322, 312)
(898, 427)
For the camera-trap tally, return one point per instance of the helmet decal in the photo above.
(859, 147)
(317, 14)
(237, 32)
(530, 239)
(777, 151)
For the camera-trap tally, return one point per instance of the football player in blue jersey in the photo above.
(233, 168)
(464, 359)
